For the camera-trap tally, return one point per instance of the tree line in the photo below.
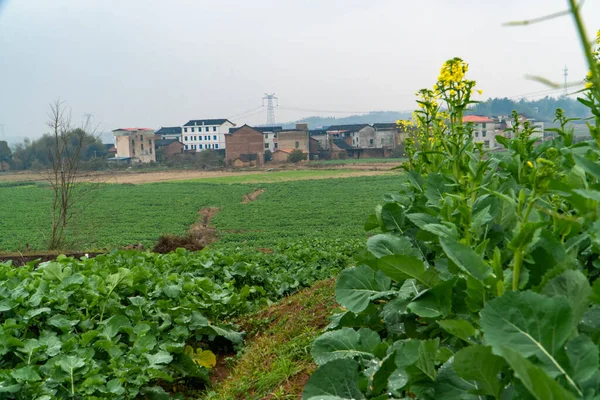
(542, 110)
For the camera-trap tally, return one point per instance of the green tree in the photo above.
(296, 156)
(5, 154)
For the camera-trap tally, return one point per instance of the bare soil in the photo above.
(200, 234)
(140, 177)
(248, 198)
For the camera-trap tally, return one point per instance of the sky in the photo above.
(153, 63)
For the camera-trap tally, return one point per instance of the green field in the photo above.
(120, 215)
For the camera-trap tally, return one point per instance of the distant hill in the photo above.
(370, 118)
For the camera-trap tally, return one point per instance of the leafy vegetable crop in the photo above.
(483, 283)
(117, 325)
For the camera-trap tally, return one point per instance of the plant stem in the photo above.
(517, 268)
(585, 43)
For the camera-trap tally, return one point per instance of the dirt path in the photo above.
(179, 175)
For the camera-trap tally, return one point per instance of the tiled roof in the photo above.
(351, 127)
(341, 144)
(219, 121)
(315, 132)
(262, 129)
(169, 130)
(165, 142)
(385, 125)
(476, 119)
(132, 129)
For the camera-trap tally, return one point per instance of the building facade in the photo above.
(167, 148)
(205, 134)
(484, 130)
(244, 147)
(135, 144)
(169, 132)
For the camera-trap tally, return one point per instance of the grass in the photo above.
(121, 215)
(358, 161)
(276, 360)
(280, 176)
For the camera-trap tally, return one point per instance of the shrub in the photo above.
(296, 156)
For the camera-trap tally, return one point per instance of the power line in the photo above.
(246, 112)
(291, 108)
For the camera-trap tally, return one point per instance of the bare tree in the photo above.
(68, 184)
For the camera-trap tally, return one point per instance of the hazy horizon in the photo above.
(153, 63)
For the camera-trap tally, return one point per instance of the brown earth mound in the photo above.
(248, 198)
(197, 237)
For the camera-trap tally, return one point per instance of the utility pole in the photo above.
(88, 117)
(270, 108)
(566, 71)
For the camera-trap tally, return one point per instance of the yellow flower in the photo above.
(480, 92)
(589, 85)
(452, 92)
(529, 164)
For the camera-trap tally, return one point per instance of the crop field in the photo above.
(121, 215)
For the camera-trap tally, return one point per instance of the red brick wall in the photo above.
(244, 141)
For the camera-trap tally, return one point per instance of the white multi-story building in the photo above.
(484, 130)
(205, 134)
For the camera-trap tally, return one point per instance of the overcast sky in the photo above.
(152, 63)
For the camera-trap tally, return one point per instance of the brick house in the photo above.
(167, 148)
(244, 146)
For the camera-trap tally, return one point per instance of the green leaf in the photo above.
(588, 194)
(589, 166)
(345, 343)
(583, 358)
(114, 324)
(7, 305)
(421, 220)
(337, 379)
(576, 289)
(458, 327)
(531, 324)
(539, 384)
(162, 357)
(434, 302)
(26, 374)
(449, 386)
(392, 217)
(371, 223)
(53, 271)
(477, 363)
(402, 267)
(379, 379)
(356, 287)
(71, 363)
(386, 244)
(427, 354)
(114, 386)
(466, 259)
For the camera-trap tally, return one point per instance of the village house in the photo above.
(205, 134)
(244, 147)
(134, 144)
(270, 136)
(165, 149)
(484, 130)
(169, 132)
(505, 123)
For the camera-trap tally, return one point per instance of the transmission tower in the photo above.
(566, 70)
(270, 108)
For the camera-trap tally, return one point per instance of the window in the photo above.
(483, 134)
(216, 146)
(266, 145)
(132, 143)
(185, 138)
(214, 128)
(192, 129)
(214, 137)
(266, 135)
(275, 145)
(370, 141)
(150, 150)
(185, 129)
(297, 144)
(206, 138)
(207, 129)
(483, 126)
(186, 146)
(200, 147)
(150, 142)
(486, 143)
